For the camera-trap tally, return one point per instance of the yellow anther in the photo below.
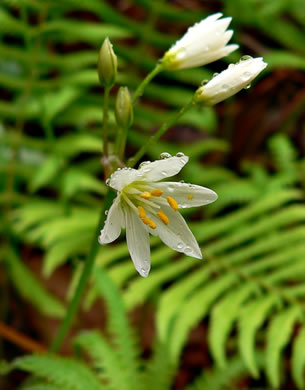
(156, 192)
(149, 222)
(173, 203)
(164, 218)
(145, 195)
(190, 197)
(142, 213)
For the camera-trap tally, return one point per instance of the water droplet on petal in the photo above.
(248, 86)
(164, 173)
(245, 58)
(215, 74)
(180, 245)
(225, 87)
(106, 212)
(107, 182)
(204, 82)
(165, 155)
(179, 154)
(246, 76)
(231, 66)
(181, 181)
(119, 169)
(188, 250)
(143, 164)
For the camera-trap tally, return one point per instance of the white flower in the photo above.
(230, 81)
(203, 43)
(145, 205)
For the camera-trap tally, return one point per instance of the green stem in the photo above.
(123, 144)
(89, 263)
(139, 91)
(133, 160)
(105, 121)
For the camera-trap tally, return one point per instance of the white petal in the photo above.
(113, 224)
(176, 234)
(138, 243)
(230, 81)
(160, 169)
(122, 177)
(188, 195)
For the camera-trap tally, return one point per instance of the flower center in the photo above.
(143, 199)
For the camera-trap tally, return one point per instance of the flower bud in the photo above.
(123, 108)
(230, 81)
(107, 64)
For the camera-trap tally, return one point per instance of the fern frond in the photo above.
(119, 327)
(278, 336)
(106, 360)
(66, 373)
(298, 358)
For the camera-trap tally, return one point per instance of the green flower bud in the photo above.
(107, 64)
(123, 108)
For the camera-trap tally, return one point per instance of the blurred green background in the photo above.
(234, 320)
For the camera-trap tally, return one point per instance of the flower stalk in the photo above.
(154, 138)
(88, 266)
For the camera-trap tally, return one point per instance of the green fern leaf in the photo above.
(29, 287)
(278, 335)
(106, 360)
(223, 316)
(68, 373)
(251, 319)
(298, 359)
(119, 328)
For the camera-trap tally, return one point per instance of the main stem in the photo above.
(89, 263)
(139, 91)
(166, 125)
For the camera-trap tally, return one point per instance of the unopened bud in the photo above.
(123, 108)
(107, 64)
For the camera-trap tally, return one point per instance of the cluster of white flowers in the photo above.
(146, 205)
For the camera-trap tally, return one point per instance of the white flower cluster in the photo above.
(206, 42)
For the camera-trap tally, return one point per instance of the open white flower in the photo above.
(230, 81)
(203, 43)
(145, 205)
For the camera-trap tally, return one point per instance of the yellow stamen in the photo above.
(164, 218)
(173, 203)
(156, 192)
(190, 197)
(149, 222)
(142, 213)
(145, 195)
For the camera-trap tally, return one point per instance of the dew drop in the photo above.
(119, 169)
(231, 66)
(215, 74)
(165, 155)
(247, 86)
(181, 181)
(179, 154)
(164, 173)
(245, 58)
(204, 82)
(180, 245)
(246, 76)
(188, 250)
(106, 212)
(107, 182)
(225, 87)
(143, 164)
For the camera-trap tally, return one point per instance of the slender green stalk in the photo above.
(105, 121)
(166, 125)
(87, 270)
(123, 144)
(139, 91)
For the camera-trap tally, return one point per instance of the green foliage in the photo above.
(250, 287)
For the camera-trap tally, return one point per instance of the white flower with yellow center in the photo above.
(145, 205)
(203, 43)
